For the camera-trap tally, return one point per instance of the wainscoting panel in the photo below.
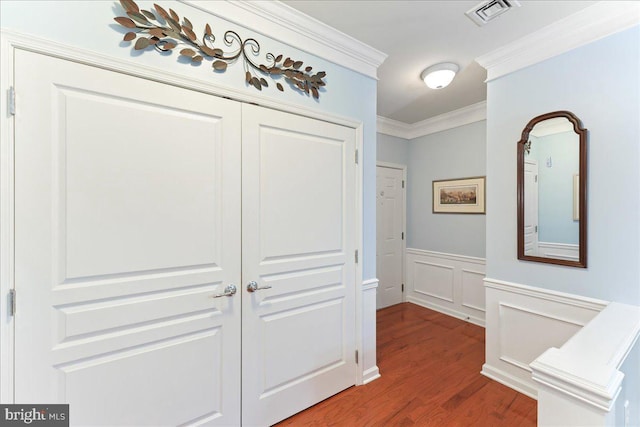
(559, 250)
(448, 283)
(517, 348)
(522, 322)
(473, 289)
(433, 280)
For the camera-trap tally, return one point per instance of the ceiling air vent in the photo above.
(487, 10)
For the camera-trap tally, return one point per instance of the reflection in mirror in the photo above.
(552, 190)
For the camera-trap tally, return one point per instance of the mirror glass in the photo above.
(552, 190)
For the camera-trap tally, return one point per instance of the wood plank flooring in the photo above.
(430, 365)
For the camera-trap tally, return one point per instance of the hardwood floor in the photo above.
(430, 365)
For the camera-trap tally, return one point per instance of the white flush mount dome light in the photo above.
(440, 75)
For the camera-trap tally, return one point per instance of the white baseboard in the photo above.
(510, 381)
(522, 322)
(446, 310)
(448, 283)
(370, 374)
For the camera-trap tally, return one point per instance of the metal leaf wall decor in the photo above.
(163, 31)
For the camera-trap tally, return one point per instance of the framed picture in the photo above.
(464, 195)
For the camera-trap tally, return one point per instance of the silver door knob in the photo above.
(253, 286)
(229, 291)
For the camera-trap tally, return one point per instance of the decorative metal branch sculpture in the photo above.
(164, 32)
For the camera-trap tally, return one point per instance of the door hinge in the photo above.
(535, 179)
(356, 256)
(403, 235)
(356, 157)
(536, 228)
(11, 97)
(403, 183)
(12, 302)
(402, 287)
(357, 357)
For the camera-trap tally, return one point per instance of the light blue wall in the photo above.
(455, 153)
(392, 149)
(555, 187)
(89, 25)
(600, 83)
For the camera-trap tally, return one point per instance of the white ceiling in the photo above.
(416, 34)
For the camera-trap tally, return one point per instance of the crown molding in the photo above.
(288, 25)
(393, 127)
(590, 24)
(463, 116)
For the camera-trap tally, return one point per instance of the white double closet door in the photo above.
(138, 202)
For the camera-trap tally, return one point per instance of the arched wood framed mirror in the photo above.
(552, 190)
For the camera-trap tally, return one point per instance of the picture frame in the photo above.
(576, 198)
(461, 195)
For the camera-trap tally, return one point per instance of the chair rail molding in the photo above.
(580, 382)
(524, 321)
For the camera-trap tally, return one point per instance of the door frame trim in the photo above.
(10, 41)
(533, 162)
(6, 223)
(403, 255)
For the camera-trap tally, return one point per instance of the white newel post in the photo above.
(578, 384)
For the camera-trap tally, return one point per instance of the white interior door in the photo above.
(531, 207)
(298, 204)
(389, 234)
(127, 221)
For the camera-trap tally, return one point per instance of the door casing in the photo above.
(531, 208)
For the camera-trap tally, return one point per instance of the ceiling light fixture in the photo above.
(440, 75)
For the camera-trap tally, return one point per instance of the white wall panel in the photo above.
(451, 284)
(522, 322)
(433, 280)
(559, 250)
(473, 289)
(520, 349)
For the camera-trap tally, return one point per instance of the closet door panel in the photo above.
(127, 222)
(298, 247)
